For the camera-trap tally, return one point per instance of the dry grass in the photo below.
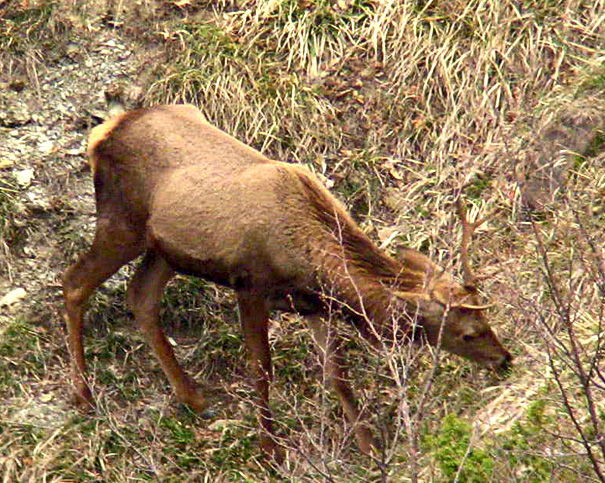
(396, 105)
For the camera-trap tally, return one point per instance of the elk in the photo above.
(193, 200)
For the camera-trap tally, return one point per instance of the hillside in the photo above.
(395, 105)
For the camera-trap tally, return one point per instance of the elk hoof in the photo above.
(366, 441)
(273, 454)
(197, 404)
(83, 398)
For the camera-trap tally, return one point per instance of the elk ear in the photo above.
(425, 304)
(413, 297)
(418, 266)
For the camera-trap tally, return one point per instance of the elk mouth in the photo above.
(502, 365)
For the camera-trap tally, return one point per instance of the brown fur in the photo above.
(195, 200)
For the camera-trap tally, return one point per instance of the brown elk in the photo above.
(196, 201)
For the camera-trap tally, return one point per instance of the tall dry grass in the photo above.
(395, 104)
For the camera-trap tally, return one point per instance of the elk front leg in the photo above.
(254, 317)
(113, 247)
(144, 297)
(336, 378)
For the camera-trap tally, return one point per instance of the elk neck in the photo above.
(353, 272)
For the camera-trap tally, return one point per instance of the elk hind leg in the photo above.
(144, 297)
(113, 247)
(336, 378)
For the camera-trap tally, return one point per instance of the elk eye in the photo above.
(467, 337)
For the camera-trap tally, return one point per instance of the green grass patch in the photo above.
(456, 454)
(8, 231)
(21, 355)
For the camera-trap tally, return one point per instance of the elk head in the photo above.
(451, 315)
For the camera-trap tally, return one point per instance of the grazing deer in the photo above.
(194, 200)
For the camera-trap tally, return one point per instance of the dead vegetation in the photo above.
(396, 105)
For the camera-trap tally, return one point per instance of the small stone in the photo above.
(13, 297)
(24, 177)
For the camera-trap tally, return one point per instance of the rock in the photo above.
(13, 297)
(24, 177)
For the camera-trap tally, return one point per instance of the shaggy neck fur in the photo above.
(349, 264)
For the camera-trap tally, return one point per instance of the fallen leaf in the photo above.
(395, 174)
(6, 163)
